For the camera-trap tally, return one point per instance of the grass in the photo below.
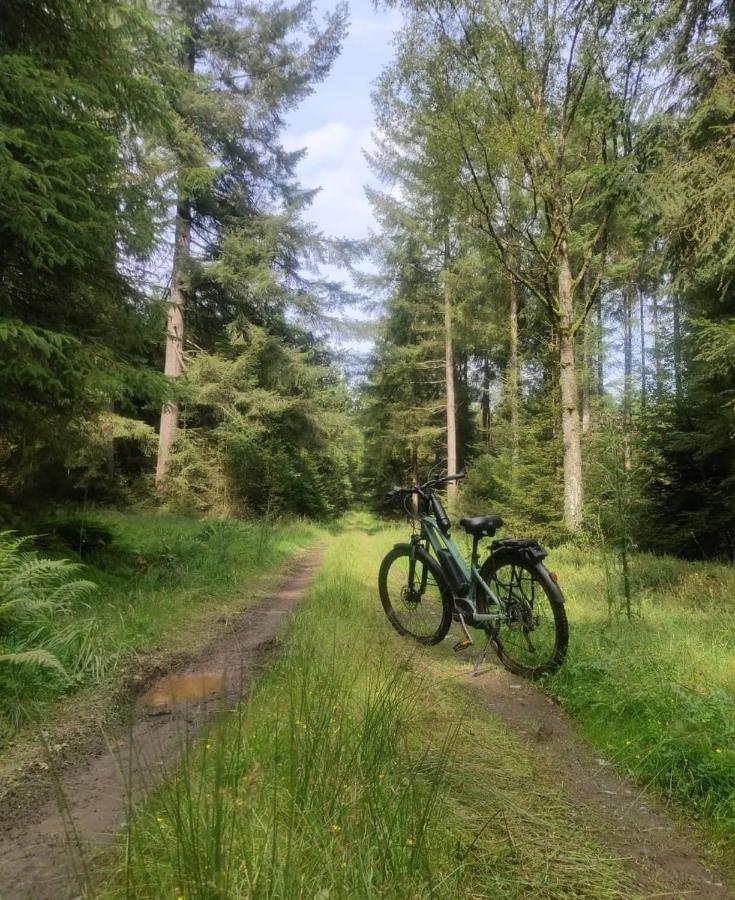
(160, 579)
(352, 770)
(657, 694)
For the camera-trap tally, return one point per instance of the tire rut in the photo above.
(662, 855)
(45, 856)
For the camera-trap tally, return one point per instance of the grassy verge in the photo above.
(353, 771)
(161, 580)
(658, 694)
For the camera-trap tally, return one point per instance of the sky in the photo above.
(334, 124)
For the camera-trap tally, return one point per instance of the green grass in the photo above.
(657, 694)
(355, 770)
(162, 580)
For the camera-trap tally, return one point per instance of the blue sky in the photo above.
(335, 123)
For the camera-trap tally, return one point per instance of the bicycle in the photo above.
(512, 596)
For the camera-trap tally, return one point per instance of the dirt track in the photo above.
(662, 855)
(44, 855)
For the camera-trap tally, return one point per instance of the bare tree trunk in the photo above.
(449, 377)
(513, 377)
(677, 348)
(485, 400)
(628, 371)
(174, 363)
(586, 392)
(174, 337)
(644, 378)
(600, 350)
(657, 349)
(586, 357)
(570, 426)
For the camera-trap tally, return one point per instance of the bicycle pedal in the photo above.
(463, 645)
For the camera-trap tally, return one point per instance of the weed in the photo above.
(156, 576)
(352, 770)
(656, 694)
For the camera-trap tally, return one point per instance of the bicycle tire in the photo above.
(494, 576)
(406, 615)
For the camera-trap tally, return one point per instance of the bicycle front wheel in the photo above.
(531, 639)
(417, 600)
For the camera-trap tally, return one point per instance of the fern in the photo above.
(37, 657)
(39, 640)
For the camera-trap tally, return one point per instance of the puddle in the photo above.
(183, 688)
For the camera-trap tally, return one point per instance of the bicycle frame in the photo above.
(431, 532)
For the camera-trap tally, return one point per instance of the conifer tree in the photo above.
(244, 68)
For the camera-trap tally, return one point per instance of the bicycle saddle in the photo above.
(479, 525)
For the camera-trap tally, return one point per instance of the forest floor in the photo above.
(358, 765)
(44, 850)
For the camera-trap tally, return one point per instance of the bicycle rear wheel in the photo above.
(532, 639)
(418, 607)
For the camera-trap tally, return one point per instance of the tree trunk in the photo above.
(174, 364)
(677, 348)
(627, 370)
(644, 379)
(485, 400)
(513, 378)
(586, 392)
(657, 349)
(573, 487)
(449, 377)
(585, 397)
(600, 349)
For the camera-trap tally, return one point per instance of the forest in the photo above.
(193, 405)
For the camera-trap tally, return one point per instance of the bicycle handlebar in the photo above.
(422, 488)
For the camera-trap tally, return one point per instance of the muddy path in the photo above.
(45, 853)
(664, 856)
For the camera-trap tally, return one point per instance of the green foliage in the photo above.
(524, 491)
(268, 428)
(81, 85)
(36, 597)
(160, 581)
(655, 694)
(349, 772)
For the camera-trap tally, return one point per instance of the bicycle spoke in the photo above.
(527, 634)
(417, 607)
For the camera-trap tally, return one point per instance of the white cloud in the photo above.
(329, 143)
(335, 164)
(364, 26)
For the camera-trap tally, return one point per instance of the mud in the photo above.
(663, 855)
(47, 854)
(190, 688)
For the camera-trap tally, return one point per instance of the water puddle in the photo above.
(177, 689)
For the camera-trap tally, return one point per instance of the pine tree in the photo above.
(244, 68)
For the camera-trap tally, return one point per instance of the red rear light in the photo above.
(554, 577)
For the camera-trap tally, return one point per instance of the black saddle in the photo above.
(479, 525)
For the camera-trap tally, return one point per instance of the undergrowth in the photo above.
(118, 585)
(352, 771)
(657, 694)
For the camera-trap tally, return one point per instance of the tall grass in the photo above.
(657, 694)
(352, 771)
(159, 579)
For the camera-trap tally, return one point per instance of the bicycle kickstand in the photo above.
(481, 658)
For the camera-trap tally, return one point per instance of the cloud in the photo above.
(335, 163)
(330, 143)
(364, 26)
